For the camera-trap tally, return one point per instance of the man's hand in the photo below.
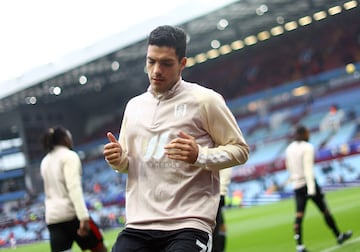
(182, 148)
(112, 150)
(84, 228)
(310, 194)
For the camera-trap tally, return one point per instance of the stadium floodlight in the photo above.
(31, 100)
(334, 10)
(349, 5)
(200, 58)
(57, 90)
(300, 91)
(222, 24)
(350, 68)
(280, 20)
(115, 66)
(225, 49)
(289, 26)
(250, 40)
(215, 43)
(264, 35)
(237, 44)
(213, 53)
(82, 79)
(262, 10)
(277, 30)
(305, 20)
(319, 15)
(190, 62)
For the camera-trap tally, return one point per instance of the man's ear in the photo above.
(183, 63)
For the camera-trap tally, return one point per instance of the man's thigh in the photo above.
(131, 241)
(189, 240)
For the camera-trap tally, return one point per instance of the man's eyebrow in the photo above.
(162, 60)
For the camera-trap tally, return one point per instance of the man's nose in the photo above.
(157, 68)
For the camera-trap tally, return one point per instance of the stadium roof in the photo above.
(130, 30)
(114, 66)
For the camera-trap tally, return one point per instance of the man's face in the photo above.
(163, 67)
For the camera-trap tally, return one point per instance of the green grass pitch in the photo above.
(269, 227)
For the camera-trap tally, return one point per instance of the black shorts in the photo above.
(187, 240)
(301, 198)
(62, 236)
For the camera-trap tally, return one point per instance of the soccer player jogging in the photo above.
(66, 215)
(174, 139)
(300, 159)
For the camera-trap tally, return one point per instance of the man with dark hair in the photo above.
(66, 214)
(173, 141)
(300, 160)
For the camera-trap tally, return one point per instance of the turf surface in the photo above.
(269, 227)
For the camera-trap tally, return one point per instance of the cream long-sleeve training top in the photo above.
(225, 179)
(166, 194)
(299, 159)
(61, 173)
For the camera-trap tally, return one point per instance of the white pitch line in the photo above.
(339, 246)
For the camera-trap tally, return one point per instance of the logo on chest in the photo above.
(180, 110)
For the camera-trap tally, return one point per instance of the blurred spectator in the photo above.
(97, 188)
(348, 167)
(327, 168)
(333, 119)
(12, 240)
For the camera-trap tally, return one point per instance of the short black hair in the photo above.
(301, 133)
(170, 36)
